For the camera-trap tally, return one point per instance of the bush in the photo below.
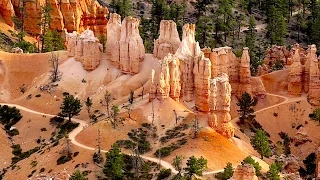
(75, 154)
(43, 129)
(166, 151)
(164, 174)
(13, 132)
(56, 120)
(66, 128)
(63, 159)
(19, 155)
(97, 158)
(9, 116)
(42, 170)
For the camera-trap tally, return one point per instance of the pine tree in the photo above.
(226, 174)
(255, 164)
(200, 6)
(276, 27)
(246, 103)
(204, 29)
(260, 143)
(78, 175)
(70, 106)
(273, 173)
(114, 166)
(195, 167)
(225, 16)
(250, 42)
(44, 23)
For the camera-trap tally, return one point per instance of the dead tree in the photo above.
(54, 63)
(196, 128)
(106, 101)
(130, 100)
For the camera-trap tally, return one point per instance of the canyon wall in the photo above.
(73, 15)
(124, 46)
(84, 47)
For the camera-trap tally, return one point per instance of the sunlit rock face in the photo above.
(73, 15)
(85, 47)
(124, 47)
(168, 41)
(244, 172)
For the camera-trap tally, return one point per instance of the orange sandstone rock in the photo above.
(7, 11)
(244, 172)
(295, 76)
(314, 76)
(168, 41)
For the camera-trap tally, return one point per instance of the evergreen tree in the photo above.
(44, 23)
(255, 164)
(204, 28)
(276, 27)
(70, 107)
(226, 174)
(273, 173)
(246, 103)
(89, 104)
(314, 25)
(200, 6)
(225, 16)
(121, 7)
(250, 42)
(260, 143)
(195, 167)
(114, 167)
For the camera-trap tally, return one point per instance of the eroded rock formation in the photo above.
(124, 47)
(168, 41)
(314, 74)
(244, 172)
(220, 100)
(74, 15)
(85, 48)
(295, 76)
(244, 74)
(7, 11)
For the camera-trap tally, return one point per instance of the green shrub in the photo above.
(164, 174)
(13, 132)
(42, 170)
(75, 154)
(255, 164)
(43, 129)
(63, 159)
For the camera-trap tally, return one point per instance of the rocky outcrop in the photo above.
(202, 76)
(113, 38)
(220, 99)
(153, 87)
(168, 41)
(186, 53)
(314, 77)
(74, 15)
(175, 85)
(163, 88)
(71, 39)
(85, 48)
(124, 45)
(244, 172)
(244, 74)
(290, 163)
(7, 11)
(277, 53)
(295, 76)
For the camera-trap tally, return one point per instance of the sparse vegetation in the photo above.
(19, 155)
(255, 164)
(63, 159)
(167, 150)
(315, 115)
(70, 107)
(78, 175)
(9, 116)
(164, 174)
(226, 174)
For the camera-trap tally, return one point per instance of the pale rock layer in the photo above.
(124, 46)
(168, 41)
(244, 172)
(84, 48)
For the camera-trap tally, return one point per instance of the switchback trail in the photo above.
(167, 165)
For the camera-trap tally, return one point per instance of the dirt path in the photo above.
(167, 165)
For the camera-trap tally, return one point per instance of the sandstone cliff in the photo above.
(295, 75)
(74, 15)
(124, 47)
(244, 74)
(314, 77)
